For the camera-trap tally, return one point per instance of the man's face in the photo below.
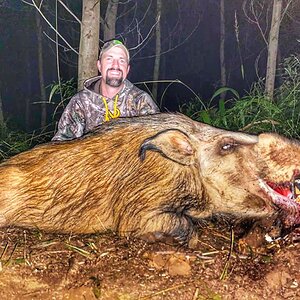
(113, 66)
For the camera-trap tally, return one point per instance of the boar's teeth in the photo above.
(289, 204)
(281, 191)
(296, 189)
(284, 189)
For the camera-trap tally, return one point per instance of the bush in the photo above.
(255, 112)
(13, 142)
(61, 93)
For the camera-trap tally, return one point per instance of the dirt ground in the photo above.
(36, 265)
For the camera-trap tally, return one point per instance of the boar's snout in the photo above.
(280, 155)
(280, 165)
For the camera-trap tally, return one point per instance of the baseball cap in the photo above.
(111, 44)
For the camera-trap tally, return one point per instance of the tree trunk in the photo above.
(89, 41)
(157, 51)
(273, 48)
(222, 46)
(2, 123)
(27, 97)
(110, 20)
(41, 70)
(27, 64)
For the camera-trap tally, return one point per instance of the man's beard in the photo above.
(114, 82)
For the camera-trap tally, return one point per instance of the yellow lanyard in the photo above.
(108, 114)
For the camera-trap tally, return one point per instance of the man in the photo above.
(105, 97)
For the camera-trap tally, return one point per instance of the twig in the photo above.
(48, 22)
(224, 273)
(78, 250)
(145, 39)
(4, 251)
(170, 83)
(196, 294)
(69, 11)
(11, 254)
(259, 122)
(162, 291)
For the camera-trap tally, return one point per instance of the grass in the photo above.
(13, 142)
(255, 112)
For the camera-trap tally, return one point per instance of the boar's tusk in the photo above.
(284, 199)
(172, 144)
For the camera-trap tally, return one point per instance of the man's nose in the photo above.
(115, 63)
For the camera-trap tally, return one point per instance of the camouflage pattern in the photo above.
(86, 109)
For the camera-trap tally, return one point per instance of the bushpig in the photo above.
(157, 174)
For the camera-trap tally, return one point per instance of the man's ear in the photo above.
(99, 65)
(172, 144)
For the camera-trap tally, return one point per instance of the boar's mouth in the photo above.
(291, 190)
(286, 196)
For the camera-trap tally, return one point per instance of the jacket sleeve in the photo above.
(72, 122)
(146, 105)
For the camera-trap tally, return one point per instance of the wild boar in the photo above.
(157, 174)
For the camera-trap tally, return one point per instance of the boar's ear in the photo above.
(173, 144)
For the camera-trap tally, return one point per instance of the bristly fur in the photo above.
(99, 182)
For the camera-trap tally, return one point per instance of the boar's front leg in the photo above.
(169, 228)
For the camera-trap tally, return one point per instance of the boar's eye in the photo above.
(228, 147)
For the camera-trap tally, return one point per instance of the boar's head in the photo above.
(242, 175)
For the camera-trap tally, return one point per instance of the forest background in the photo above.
(233, 64)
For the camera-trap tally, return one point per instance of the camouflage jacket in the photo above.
(88, 109)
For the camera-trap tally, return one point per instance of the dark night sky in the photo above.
(196, 62)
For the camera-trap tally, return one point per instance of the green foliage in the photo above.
(12, 142)
(255, 112)
(62, 92)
